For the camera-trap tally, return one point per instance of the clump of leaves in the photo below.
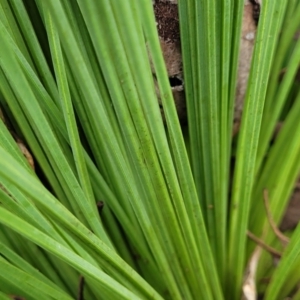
(77, 86)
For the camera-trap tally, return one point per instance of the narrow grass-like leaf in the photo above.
(11, 170)
(30, 285)
(273, 108)
(115, 91)
(19, 262)
(248, 142)
(283, 271)
(23, 124)
(283, 156)
(55, 115)
(39, 122)
(182, 165)
(33, 46)
(70, 121)
(57, 249)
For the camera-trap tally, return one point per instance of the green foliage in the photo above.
(76, 84)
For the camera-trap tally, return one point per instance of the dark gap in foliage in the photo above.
(175, 81)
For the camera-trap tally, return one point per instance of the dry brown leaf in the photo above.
(249, 286)
(2, 116)
(25, 152)
(246, 50)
